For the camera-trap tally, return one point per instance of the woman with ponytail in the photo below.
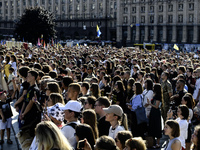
(117, 119)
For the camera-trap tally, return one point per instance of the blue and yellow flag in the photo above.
(176, 47)
(98, 31)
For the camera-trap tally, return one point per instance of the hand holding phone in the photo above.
(81, 145)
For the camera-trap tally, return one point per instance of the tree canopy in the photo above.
(35, 22)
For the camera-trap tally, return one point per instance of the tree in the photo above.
(34, 23)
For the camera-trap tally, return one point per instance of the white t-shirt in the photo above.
(113, 133)
(147, 95)
(69, 132)
(183, 124)
(197, 88)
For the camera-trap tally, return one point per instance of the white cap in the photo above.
(73, 106)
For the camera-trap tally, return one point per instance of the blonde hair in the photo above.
(136, 143)
(49, 135)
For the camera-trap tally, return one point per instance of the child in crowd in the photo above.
(5, 117)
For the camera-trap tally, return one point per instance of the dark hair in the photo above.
(149, 84)
(76, 114)
(123, 136)
(106, 143)
(11, 69)
(120, 85)
(139, 88)
(107, 78)
(15, 59)
(190, 69)
(86, 85)
(54, 87)
(182, 68)
(67, 80)
(185, 111)
(34, 73)
(90, 118)
(46, 68)
(23, 71)
(75, 87)
(103, 100)
(157, 89)
(174, 126)
(85, 131)
(37, 66)
(189, 101)
(56, 98)
(95, 90)
(166, 74)
(53, 74)
(91, 100)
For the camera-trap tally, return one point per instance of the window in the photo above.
(125, 10)
(70, 7)
(180, 7)
(142, 19)
(92, 6)
(115, 5)
(78, 7)
(151, 9)
(160, 8)
(125, 19)
(133, 19)
(191, 6)
(84, 7)
(191, 18)
(160, 19)
(170, 8)
(151, 19)
(170, 18)
(133, 9)
(142, 9)
(180, 18)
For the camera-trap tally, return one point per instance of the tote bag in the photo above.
(141, 114)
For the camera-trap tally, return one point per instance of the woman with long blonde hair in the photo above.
(50, 137)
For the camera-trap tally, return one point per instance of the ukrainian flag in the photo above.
(176, 47)
(98, 31)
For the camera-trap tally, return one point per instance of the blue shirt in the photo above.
(136, 101)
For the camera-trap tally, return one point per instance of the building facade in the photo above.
(123, 21)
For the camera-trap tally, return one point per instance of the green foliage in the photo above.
(35, 22)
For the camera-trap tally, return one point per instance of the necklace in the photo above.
(114, 127)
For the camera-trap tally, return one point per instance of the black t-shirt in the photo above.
(24, 86)
(106, 90)
(6, 109)
(178, 99)
(103, 126)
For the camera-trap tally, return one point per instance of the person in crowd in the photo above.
(190, 80)
(155, 114)
(119, 94)
(135, 102)
(106, 89)
(117, 119)
(196, 93)
(196, 139)
(49, 137)
(85, 89)
(73, 91)
(10, 83)
(90, 102)
(103, 125)
(72, 111)
(167, 93)
(147, 94)
(89, 117)
(84, 131)
(136, 143)
(180, 92)
(66, 81)
(14, 64)
(94, 90)
(188, 101)
(121, 138)
(52, 87)
(84, 71)
(6, 67)
(172, 129)
(182, 114)
(5, 117)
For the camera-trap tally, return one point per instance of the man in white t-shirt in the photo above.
(196, 94)
(72, 111)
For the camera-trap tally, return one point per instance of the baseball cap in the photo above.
(116, 109)
(56, 112)
(73, 106)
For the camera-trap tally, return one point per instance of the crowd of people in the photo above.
(92, 97)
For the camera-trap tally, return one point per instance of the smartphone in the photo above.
(81, 144)
(128, 104)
